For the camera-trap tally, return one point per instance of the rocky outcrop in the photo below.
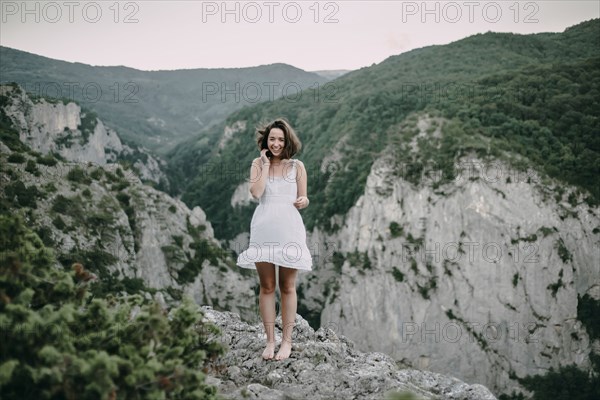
(104, 216)
(323, 365)
(75, 134)
(135, 231)
(478, 278)
(241, 195)
(229, 131)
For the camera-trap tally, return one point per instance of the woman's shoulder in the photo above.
(297, 162)
(298, 166)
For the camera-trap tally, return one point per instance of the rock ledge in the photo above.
(322, 365)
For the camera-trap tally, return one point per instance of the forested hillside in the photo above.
(526, 101)
(530, 99)
(156, 109)
(85, 242)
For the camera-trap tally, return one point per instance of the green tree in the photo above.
(61, 342)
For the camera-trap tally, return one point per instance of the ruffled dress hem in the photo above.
(276, 261)
(277, 232)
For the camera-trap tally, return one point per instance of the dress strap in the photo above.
(293, 169)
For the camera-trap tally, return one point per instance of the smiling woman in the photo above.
(278, 136)
(277, 232)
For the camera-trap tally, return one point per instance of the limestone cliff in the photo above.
(99, 212)
(478, 278)
(323, 365)
(53, 126)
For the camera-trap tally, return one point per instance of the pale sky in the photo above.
(311, 35)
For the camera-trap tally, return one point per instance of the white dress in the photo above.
(277, 232)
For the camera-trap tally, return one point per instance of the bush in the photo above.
(59, 223)
(31, 167)
(588, 312)
(8, 134)
(61, 343)
(97, 174)
(566, 383)
(395, 229)
(16, 158)
(50, 187)
(48, 160)
(563, 251)
(359, 259)
(337, 259)
(88, 125)
(78, 175)
(204, 250)
(22, 196)
(120, 186)
(95, 259)
(68, 206)
(398, 275)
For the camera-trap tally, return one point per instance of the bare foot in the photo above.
(269, 351)
(284, 350)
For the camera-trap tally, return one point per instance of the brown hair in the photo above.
(292, 143)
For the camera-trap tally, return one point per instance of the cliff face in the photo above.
(479, 278)
(98, 212)
(75, 135)
(322, 365)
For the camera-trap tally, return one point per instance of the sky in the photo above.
(311, 35)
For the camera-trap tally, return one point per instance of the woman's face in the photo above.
(276, 141)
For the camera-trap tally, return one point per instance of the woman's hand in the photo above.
(263, 156)
(301, 202)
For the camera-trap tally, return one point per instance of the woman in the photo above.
(277, 233)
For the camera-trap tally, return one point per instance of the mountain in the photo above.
(417, 168)
(64, 338)
(61, 128)
(454, 218)
(332, 73)
(101, 270)
(514, 109)
(323, 365)
(87, 201)
(155, 109)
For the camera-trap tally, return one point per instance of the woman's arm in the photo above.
(302, 182)
(258, 176)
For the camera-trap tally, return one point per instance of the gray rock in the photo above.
(144, 243)
(479, 278)
(57, 127)
(322, 365)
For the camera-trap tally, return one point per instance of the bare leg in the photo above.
(266, 304)
(289, 303)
